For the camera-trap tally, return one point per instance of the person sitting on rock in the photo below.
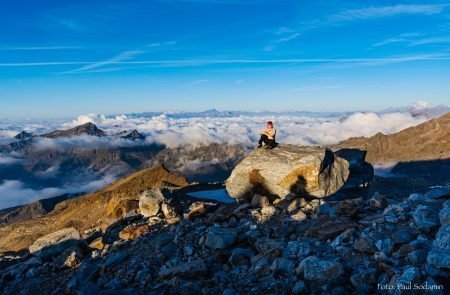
(268, 136)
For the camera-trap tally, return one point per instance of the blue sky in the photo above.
(64, 58)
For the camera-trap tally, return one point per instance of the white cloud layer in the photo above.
(14, 192)
(244, 129)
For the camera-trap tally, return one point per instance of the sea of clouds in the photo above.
(174, 129)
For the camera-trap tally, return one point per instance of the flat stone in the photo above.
(315, 269)
(133, 231)
(220, 238)
(192, 269)
(55, 243)
(402, 236)
(328, 227)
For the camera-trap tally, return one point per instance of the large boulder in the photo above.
(299, 170)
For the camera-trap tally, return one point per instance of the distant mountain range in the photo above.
(419, 108)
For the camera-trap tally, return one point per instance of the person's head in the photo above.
(270, 124)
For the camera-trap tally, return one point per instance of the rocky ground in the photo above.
(380, 244)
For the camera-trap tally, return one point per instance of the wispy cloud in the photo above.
(390, 41)
(119, 60)
(123, 56)
(387, 11)
(316, 88)
(433, 40)
(286, 38)
(159, 44)
(196, 82)
(39, 48)
(406, 38)
(240, 81)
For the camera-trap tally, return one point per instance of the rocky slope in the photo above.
(427, 141)
(95, 210)
(299, 247)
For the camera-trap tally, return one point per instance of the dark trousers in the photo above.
(267, 141)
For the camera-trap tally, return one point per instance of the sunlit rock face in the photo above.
(299, 170)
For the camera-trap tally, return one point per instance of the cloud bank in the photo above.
(244, 129)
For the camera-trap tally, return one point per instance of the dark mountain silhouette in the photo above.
(23, 135)
(134, 135)
(85, 129)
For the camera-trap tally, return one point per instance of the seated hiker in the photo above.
(268, 136)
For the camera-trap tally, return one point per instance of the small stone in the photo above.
(348, 207)
(365, 245)
(220, 238)
(425, 217)
(196, 209)
(171, 210)
(391, 218)
(259, 201)
(73, 259)
(315, 269)
(269, 211)
(417, 258)
(188, 250)
(133, 231)
(327, 227)
(299, 216)
(97, 244)
(299, 288)
(378, 201)
(402, 236)
(283, 264)
(296, 204)
(438, 192)
(192, 269)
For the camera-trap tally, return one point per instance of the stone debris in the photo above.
(289, 245)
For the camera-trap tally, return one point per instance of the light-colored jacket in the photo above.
(270, 132)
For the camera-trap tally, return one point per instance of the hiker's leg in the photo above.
(271, 143)
(263, 138)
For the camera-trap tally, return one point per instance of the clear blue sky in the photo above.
(64, 58)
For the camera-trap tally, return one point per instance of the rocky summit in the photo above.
(85, 129)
